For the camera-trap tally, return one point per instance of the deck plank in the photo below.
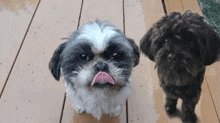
(174, 5)
(192, 5)
(102, 10)
(32, 94)
(139, 17)
(15, 19)
(213, 79)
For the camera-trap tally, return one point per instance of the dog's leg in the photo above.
(170, 105)
(188, 109)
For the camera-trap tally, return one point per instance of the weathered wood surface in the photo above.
(32, 95)
(15, 20)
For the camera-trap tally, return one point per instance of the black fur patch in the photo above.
(73, 61)
(123, 60)
(54, 64)
(136, 55)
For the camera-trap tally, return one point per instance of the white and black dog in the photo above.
(181, 45)
(96, 63)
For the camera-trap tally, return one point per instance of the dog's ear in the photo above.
(213, 47)
(154, 39)
(145, 44)
(54, 64)
(136, 55)
(206, 34)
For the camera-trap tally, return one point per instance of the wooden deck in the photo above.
(32, 29)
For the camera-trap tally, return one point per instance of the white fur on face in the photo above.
(98, 36)
(84, 76)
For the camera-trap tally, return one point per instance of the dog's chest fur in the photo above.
(97, 103)
(186, 91)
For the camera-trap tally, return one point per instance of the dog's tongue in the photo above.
(102, 77)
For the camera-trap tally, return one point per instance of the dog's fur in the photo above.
(181, 46)
(96, 46)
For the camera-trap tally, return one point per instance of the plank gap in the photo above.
(80, 13)
(182, 5)
(123, 7)
(126, 111)
(62, 110)
(12, 66)
(164, 7)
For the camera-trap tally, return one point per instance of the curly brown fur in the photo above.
(181, 46)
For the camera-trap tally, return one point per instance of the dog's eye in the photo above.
(84, 57)
(115, 56)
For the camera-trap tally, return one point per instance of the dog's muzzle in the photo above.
(102, 78)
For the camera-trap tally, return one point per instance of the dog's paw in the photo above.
(97, 116)
(114, 114)
(79, 109)
(189, 118)
(117, 112)
(170, 110)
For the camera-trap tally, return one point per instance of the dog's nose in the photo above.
(171, 57)
(101, 67)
